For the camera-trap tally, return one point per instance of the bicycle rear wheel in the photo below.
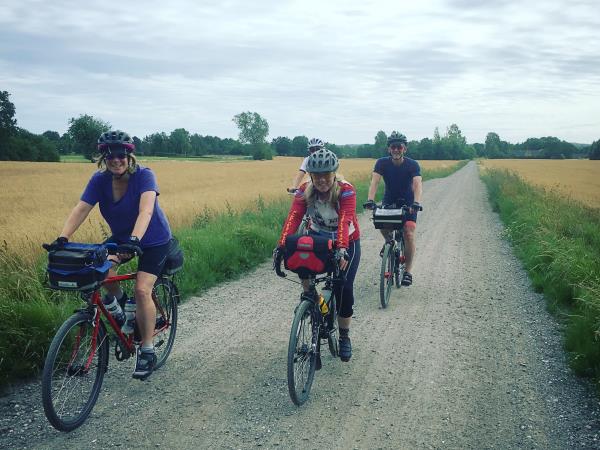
(166, 296)
(302, 352)
(73, 372)
(386, 277)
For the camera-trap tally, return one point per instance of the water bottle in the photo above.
(129, 324)
(323, 305)
(114, 309)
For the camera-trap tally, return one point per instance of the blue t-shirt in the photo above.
(398, 179)
(122, 215)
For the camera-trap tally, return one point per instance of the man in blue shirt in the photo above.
(403, 186)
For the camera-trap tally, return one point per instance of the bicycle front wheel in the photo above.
(73, 372)
(386, 278)
(166, 297)
(400, 262)
(302, 352)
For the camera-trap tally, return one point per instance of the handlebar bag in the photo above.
(388, 218)
(78, 267)
(308, 255)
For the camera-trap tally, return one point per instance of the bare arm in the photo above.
(76, 218)
(147, 201)
(374, 185)
(417, 186)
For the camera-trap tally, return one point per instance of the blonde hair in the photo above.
(131, 163)
(310, 194)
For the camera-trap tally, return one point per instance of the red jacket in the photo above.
(346, 209)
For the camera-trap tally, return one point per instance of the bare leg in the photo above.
(409, 247)
(145, 310)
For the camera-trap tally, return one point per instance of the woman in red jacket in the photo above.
(330, 203)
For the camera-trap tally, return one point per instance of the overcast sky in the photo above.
(339, 70)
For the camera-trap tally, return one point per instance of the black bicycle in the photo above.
(315, 321)
(393, 258)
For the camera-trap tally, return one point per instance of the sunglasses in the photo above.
(116, 155)
(396, 147)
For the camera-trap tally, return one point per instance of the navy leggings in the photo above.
(344, 292)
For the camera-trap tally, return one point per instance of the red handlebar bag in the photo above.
(308, 255)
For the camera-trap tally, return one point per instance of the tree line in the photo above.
(81, 138)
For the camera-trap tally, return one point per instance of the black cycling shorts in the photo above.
(152, 260)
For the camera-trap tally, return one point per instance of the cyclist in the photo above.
(330, 203)
(127, 196)
(403, 186)
(313, 145)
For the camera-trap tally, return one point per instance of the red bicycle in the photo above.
(78, 356)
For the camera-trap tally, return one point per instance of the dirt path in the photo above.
(466, 358)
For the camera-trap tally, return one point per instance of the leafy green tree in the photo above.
(381, 142)
(197, 145)
(84, 131)
(595, 150)
(139, 148)
(282, 145)
(299, 145)
(65, 144)
(492, 145)
(51, 135)
(253, 128)
(261, 151)
(179, 142)
(26, 146)
(479, 149)
(156, 144)
(8, 123)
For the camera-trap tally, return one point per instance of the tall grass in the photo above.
(558, 241)
(218, 246)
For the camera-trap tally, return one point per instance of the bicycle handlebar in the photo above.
(112, 247)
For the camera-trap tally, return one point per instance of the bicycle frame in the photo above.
(94, 302)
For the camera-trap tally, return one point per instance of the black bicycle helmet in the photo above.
(115, 138)
(396, 138)
(322, 161)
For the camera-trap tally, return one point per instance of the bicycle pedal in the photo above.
(121, 353)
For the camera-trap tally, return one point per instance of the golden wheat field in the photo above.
(35, 198)
(574, 178)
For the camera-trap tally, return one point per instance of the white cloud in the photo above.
(338, 69)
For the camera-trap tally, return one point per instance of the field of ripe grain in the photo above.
(573, 178)
(35, 198)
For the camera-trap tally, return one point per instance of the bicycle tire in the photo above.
(65, 371)
(386, 276)
(332, 340)
(301, 358)
(166, 295)
(400, 265)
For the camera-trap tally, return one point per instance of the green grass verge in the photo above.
(219, 246)
(558, 241)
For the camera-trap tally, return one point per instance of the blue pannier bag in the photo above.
(78, 267)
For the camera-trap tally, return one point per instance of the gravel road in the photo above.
(466, 358)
